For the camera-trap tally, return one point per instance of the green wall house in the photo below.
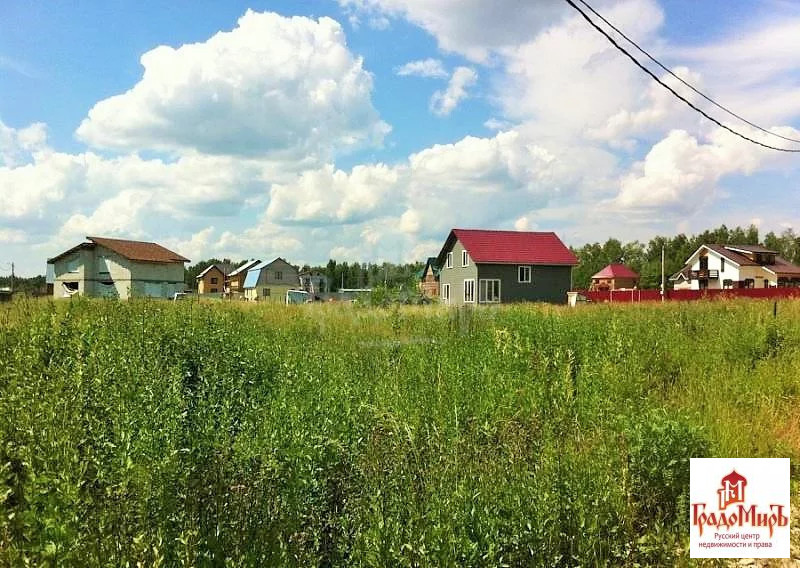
(493, 267)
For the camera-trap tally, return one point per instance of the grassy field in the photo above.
(184, 434)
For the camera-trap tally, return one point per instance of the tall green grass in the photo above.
(160, 434)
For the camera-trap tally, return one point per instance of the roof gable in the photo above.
(511, 247)
(208, 269)
(616, 271)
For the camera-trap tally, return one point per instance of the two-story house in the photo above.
(491, 267)
(269, 281)
(211, 280)
(234, 281)
(117, 268)
(739, 266)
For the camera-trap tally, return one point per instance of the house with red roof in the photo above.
(739, 266)
(615, 277)
(479, 266)
(117, 268)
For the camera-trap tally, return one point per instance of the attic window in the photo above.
(449, 260)
(72, 265)
(464, 258)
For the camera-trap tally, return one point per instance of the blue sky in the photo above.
(365, 129)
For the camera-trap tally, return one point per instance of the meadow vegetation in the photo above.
(189, 434)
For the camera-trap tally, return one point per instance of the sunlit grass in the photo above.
(228, 433)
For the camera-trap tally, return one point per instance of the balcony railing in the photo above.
(705, 274)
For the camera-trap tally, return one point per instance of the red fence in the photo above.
(687, 295)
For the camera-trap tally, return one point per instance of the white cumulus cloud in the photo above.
(274, 86)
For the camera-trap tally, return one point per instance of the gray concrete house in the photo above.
(492, 267)
(117, 268)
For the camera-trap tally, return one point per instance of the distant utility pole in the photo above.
(663, 280)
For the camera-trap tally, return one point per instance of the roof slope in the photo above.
(208, 268)
(616, 271)
(139, 250)
(513, 247)
(243, 268)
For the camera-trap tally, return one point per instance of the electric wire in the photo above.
(670, 89)
(668, 70)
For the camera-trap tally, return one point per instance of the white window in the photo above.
(469, 291)
(464, 258)
(489, 291)
(446, 293)
(523, 274)
(449, 260)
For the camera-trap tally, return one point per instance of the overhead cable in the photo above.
(670, 89)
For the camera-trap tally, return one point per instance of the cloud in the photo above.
(473, 28)
(284, 88)
(328, 195)
(444, 102)
(18, 145)
(679, 174)
(423, 68)
(12, 236)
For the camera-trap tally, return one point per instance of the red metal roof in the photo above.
(616, 271)
(514, 247)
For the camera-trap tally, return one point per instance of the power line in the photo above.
(665, 68)
(670, 89)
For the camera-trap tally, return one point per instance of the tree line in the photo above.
(645, 258)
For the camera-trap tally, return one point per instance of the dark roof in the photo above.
(751, 248)
(736, 257)
(208, 268)
(139, 250)
(132, 250)
(783, 267)
(432, 263)
(684, 273)
(616, 271)
(511, 247)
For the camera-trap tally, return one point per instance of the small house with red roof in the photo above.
(615, 277)
(117, 268)
(739, 266)
(479, 266)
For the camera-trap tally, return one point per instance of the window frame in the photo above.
(450, 259)
(464, 258)
(472, 290)
(529, 268)
(446, 292)
(483, 290)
